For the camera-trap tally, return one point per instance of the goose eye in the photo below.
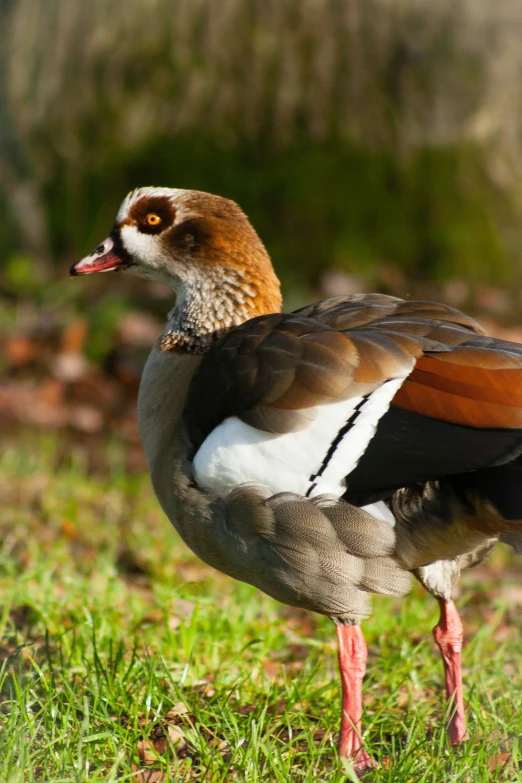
(152, 219)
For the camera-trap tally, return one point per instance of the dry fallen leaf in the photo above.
(500, 760)
(149, 751)
(176, 737)
(149, 775)
(178, 709)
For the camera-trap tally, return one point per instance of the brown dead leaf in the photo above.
(176, 737)
(222, 747)
(500, 760)
(149, 750)
(178, 709)
(164, 736)
(149, 775)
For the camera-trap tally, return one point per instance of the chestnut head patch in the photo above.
(192, 235)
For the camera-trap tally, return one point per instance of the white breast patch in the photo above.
(313, 461)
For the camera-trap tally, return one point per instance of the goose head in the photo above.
(185, 238)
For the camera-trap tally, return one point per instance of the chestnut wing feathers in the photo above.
(459, 409)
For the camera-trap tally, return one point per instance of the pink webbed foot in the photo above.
(448, 634)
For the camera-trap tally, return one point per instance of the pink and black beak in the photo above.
(110, 256)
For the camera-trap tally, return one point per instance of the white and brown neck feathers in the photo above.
(206, 249)
(212, 301)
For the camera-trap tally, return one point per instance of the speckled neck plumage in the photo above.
(210, 304)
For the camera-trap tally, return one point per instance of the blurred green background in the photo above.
(375, 145)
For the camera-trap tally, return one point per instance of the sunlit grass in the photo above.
(107, 623)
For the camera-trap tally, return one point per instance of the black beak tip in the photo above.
(72, 271)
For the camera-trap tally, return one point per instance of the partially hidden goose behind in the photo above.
(319, 455)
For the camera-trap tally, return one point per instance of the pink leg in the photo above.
(352, 663)
(448, 636)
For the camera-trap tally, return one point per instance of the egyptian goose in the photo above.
(323, 454)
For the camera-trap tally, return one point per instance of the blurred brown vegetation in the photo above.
(374, 144)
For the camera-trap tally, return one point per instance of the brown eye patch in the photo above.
(193, 234)
(152, 214)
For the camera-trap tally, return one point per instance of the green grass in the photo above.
(111, 632)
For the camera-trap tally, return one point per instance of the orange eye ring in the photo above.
(152, 219)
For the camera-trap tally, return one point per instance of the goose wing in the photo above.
(418, 390)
